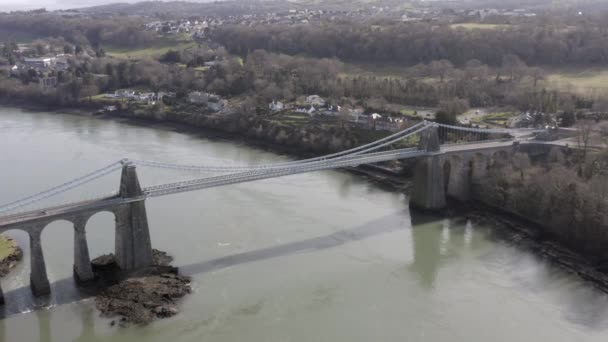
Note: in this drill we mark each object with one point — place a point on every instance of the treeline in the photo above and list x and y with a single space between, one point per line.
566 193
262 77
88 77
269 76
119 31
413 43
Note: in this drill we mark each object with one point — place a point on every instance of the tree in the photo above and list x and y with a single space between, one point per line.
454 107
583 135
68 49
513 66
444 117
343 116
441 68
100 52
521 162
537 74
171 56
568 119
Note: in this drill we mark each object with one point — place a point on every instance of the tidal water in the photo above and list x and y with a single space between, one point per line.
325 256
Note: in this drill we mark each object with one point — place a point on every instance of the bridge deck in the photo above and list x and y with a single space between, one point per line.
10 221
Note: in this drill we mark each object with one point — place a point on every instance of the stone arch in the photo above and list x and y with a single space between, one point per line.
479 164
500 157
459 180
100 227
57 240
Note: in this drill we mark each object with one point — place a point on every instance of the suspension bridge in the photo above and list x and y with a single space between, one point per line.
431 144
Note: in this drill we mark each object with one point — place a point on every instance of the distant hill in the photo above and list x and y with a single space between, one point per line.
185 8
238 7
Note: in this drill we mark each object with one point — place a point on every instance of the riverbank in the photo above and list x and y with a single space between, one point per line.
10 255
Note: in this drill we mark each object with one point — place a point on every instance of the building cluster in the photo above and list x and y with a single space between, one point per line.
46 68
494 12
150 98
204 24
196 27
214 103
316 106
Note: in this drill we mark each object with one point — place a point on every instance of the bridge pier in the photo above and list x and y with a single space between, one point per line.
83 271
428 192
133 248
39 281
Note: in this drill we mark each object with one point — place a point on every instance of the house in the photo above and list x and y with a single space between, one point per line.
333 110
47 82
216 106
306 109
211 63
44 62
315 100
124 93
198 97
62 61
276 106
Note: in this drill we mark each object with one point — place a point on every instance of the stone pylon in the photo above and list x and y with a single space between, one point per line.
133 247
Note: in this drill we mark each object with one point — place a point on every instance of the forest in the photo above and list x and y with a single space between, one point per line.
413 43
118 31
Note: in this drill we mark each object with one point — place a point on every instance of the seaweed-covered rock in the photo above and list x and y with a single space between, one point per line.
141 300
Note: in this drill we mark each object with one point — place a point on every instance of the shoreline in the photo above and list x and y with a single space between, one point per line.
520 231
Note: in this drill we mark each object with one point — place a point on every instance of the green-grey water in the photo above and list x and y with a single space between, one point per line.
324 256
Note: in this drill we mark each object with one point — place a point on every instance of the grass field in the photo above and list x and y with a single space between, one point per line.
493 118
587 81
480 26
154 49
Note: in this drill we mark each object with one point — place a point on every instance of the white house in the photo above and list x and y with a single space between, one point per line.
44 62
276 106
198 97
315 100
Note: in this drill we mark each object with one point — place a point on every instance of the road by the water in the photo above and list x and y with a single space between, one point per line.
324 256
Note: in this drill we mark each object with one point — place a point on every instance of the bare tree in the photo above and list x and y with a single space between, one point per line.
583 135
521 162
441 68
537 74
343 116
512 66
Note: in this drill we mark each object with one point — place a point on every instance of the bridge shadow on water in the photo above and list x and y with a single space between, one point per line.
65 291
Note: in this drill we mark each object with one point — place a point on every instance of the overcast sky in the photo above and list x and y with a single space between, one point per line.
12 5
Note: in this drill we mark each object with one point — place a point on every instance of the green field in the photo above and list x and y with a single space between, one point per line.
480 26
499 119
154 49
586 81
